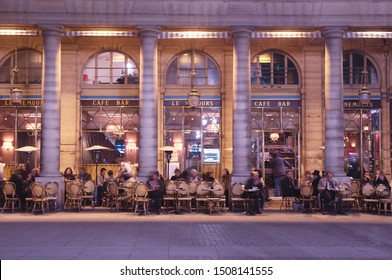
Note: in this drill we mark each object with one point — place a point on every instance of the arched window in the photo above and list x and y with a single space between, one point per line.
29 63
110 68
179 71
272 67
353 65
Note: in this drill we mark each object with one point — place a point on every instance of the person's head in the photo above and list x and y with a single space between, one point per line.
308 175
82 170
68 171
193 173
381 176
110 173
177 172
225 172
154 176
103 171
329 175
22 166
35 171
290 174
316 173
366 175
257 171
255 175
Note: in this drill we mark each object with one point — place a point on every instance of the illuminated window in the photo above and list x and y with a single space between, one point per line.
110 68
353 65
179 71
270 68
29 63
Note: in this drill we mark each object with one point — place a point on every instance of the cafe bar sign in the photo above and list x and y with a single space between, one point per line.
275 103
23 103
108 102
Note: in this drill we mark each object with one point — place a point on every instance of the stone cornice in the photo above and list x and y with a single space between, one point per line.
199 13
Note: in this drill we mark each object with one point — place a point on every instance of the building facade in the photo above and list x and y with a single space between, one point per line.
272 75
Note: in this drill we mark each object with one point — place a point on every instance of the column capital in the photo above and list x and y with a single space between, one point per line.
241 31
333 31
149 31
51 29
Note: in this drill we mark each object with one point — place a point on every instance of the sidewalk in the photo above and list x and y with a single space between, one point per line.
101 234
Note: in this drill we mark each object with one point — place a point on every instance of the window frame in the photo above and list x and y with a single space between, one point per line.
24 72
94 81
351 77
256 79
206 70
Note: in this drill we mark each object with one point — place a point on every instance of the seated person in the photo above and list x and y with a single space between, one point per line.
288 186
254 182
208 176
326 188
83 175
177 175
193 176
381 179
157 189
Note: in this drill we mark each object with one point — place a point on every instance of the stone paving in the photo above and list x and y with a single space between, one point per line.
101 234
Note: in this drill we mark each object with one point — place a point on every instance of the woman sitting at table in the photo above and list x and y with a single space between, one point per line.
68 174
254 183
157 189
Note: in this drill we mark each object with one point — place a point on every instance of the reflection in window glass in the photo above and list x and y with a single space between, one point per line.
29 63
273 68
110 68
353 65
180 69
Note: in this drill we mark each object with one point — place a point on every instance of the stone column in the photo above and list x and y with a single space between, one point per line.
241 105
334 117
148 102
50 121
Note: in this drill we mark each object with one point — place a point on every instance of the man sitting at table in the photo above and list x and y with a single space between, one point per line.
157 189
254 183
326 187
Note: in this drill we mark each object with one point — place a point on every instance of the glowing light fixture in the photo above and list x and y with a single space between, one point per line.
274 136
193 96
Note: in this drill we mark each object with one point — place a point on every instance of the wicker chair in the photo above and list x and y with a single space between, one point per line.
74 193
88 194
117 200
306 192
369 197
184 196
10 197
170 195
141 197
383 199
40 200
236 195
52 189
215 200
201 194
348 202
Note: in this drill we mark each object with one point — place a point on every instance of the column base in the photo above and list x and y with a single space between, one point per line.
61 191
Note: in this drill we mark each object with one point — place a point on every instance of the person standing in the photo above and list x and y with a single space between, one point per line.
278 165
101 186
226 180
